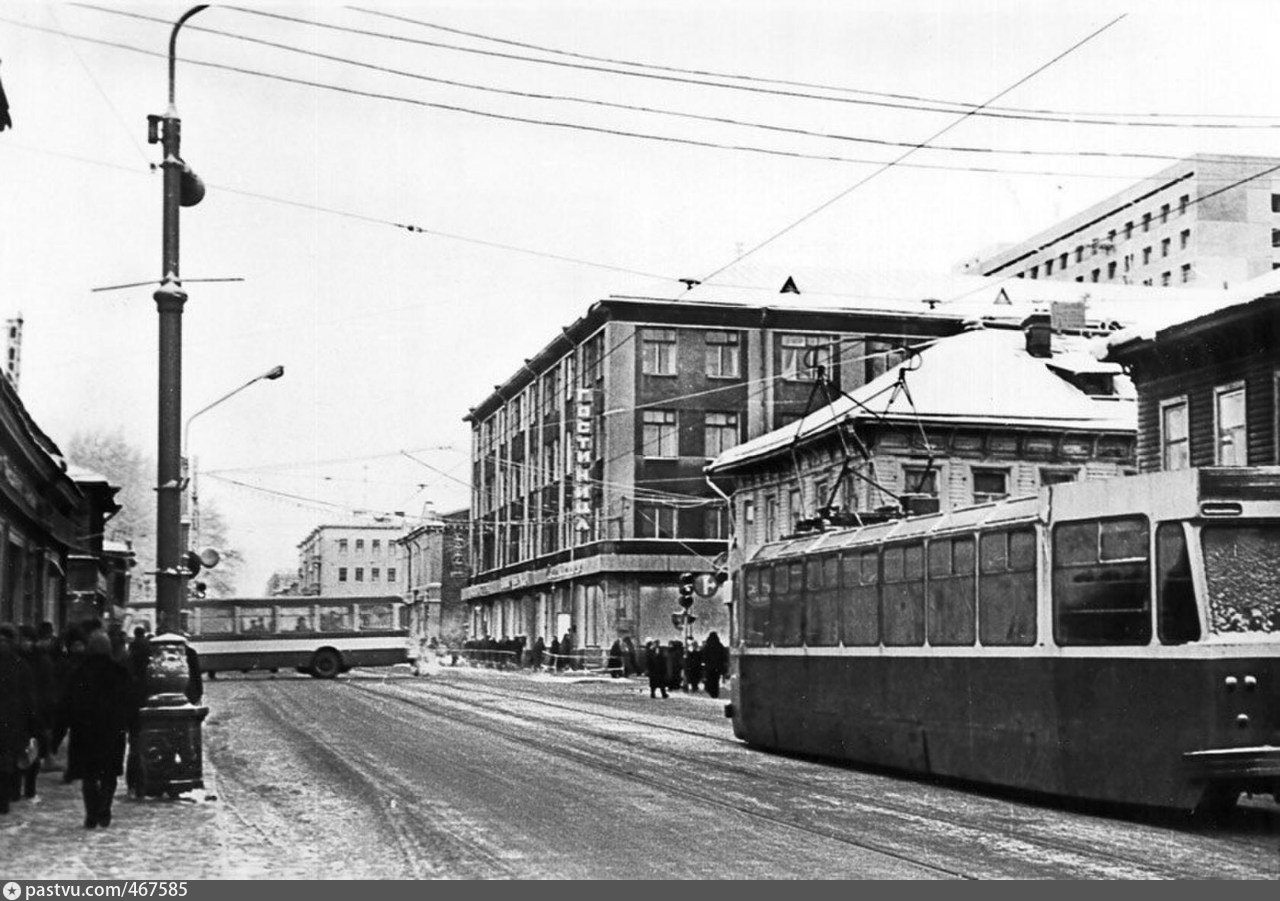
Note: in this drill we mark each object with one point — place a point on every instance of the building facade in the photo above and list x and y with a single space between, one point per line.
352 559
588 492
435 555
980 416
1209 220
1208 388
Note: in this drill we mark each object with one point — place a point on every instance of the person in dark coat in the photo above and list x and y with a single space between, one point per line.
41 666
675 664
195 677
539 651
614 661
99 712
656 665
557 662
17 714
715 660
630 665
692 666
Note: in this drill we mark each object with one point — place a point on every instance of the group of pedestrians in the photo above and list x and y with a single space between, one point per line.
85 688
684 666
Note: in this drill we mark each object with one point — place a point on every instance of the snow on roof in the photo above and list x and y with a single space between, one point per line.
978 377
81 474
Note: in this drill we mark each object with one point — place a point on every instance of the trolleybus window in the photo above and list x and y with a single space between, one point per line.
821 615
1242 572
295 619
860 625
788 606
951 592
375 617
1102 582
214 621
335 619
253 620
759 585
1007 588
1177 620
903 596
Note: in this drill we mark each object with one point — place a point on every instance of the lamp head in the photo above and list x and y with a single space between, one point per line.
275 373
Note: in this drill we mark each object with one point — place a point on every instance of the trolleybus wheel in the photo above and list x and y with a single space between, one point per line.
326 664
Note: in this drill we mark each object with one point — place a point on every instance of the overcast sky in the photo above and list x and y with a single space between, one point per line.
388 336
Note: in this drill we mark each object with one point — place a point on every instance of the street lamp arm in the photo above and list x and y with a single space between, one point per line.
273 373
173 44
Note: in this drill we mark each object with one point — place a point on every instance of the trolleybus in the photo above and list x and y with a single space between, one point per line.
320 636
1113 640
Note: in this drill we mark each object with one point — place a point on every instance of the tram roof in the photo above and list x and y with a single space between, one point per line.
984 376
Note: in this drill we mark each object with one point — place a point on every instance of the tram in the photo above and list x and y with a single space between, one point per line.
1115 641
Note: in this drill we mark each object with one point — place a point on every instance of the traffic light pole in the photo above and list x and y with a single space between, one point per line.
169 732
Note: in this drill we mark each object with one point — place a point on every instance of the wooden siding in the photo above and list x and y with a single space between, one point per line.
1257 371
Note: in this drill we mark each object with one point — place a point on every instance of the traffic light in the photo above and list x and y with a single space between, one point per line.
686 590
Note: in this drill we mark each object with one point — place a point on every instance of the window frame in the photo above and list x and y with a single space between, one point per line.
1219 392
666 428
718 350
974 471
1055 611
664 351
721 430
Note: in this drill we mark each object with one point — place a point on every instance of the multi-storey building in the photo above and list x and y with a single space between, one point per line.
588 493
352 559
1209 220
435 566
1209 386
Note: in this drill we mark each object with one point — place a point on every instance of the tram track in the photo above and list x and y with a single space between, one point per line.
1092 855
686 788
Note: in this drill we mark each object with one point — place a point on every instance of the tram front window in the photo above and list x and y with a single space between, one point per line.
1242 572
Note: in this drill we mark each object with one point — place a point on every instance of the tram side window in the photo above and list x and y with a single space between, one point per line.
860 626
1177 620
374 617
759 585
1102 582
296 619
821 616
903 595
1007 588
788 605
951 592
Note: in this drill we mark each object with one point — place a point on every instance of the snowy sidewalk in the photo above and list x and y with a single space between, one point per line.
152 839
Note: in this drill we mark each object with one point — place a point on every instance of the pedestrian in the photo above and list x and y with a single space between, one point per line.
99 713
675 665
17 716
715 660
692 666
656 666
195 677
41 666
539 651
556 662
614 661
566 650
629 664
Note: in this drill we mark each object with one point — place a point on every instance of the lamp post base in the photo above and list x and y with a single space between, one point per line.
171 749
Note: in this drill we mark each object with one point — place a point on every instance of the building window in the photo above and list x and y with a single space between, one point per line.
1093 276
1186 273
1164 247
1111 270
1053 476
795 507
717 522
1185 201
391 573
658 351
342 574
721 433
374 573
1035 271
342 545
359 573
770 518
1164 213
1230 444
1166 279
1079 254
1128 230
1275 237
1048 268
376 546
920 480
659 436
1175 442
359 544
722 355
990 485
654 521
749 511
1184 239
1062 261
1146 222
802 355
1146 255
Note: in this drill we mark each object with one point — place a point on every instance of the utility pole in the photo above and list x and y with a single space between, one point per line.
171 753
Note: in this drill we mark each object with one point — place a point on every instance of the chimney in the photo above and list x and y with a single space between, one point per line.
1038 329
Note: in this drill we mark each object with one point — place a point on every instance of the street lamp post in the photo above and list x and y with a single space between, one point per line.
171 752
188 478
